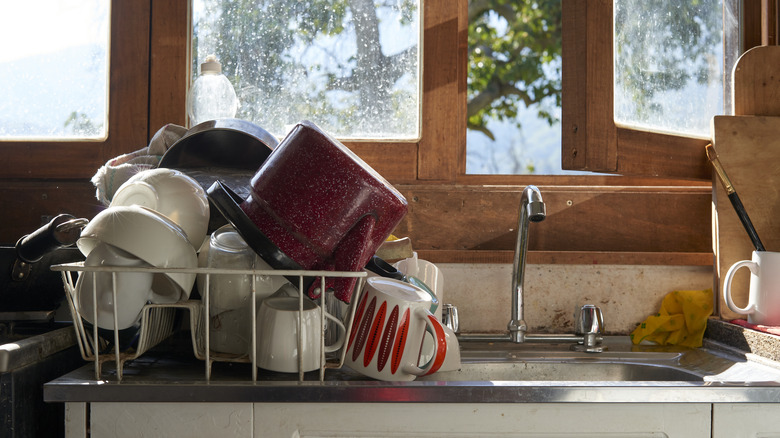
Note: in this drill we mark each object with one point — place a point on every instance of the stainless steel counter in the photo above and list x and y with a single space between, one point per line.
170 374
18 353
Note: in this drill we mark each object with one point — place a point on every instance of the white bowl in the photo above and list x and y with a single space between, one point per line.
149 236
133 289
171 193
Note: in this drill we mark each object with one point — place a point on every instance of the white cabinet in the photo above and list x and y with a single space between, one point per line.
170 420
731 420
375 420
310 420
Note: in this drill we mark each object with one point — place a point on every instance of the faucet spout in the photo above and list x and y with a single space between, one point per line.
532 209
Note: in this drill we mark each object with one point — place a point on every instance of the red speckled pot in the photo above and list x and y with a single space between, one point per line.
322 205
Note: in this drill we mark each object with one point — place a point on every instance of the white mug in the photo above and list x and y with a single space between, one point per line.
388 329
171 193
763 305
133 289
428 273
451 360
277 335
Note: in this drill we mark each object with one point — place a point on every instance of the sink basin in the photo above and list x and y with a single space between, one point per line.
498 372
18 351
569 371
621 362
28 359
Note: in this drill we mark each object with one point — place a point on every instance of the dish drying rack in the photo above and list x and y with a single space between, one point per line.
157 320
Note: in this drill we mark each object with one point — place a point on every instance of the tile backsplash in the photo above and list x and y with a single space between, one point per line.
627 294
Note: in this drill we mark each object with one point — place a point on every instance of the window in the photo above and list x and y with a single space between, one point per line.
454 216
351 67
670 70
670 64
79 139
56 72
513 105
591 139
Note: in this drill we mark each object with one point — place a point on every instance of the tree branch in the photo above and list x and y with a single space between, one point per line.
494 91
479 7
483 129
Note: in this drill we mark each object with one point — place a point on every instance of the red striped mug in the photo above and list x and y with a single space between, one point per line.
388 330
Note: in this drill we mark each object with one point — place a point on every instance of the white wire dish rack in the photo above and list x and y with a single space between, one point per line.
157 321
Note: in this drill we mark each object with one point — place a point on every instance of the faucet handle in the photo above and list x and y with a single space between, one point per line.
589 320
590 325
449 317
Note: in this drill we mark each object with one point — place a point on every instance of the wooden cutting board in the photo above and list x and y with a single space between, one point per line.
749 149
757 82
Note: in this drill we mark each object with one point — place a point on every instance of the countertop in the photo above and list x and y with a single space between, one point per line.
742 340
170 373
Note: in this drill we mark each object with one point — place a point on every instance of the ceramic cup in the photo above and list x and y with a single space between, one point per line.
428 273
148 236
322 206
451 360
388 329
170 193
277 334
133 289
763 306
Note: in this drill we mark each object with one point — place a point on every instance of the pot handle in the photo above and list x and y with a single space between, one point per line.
64 230
352 254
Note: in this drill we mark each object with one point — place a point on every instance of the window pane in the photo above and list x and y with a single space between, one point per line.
54 69
351 66
514 87
669 65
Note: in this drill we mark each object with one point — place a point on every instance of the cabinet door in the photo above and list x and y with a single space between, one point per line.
745 420
309 420
171 420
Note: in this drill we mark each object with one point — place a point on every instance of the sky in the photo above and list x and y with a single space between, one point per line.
57 25
54 62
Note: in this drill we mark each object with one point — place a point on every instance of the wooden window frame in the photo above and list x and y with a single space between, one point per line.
651 218
591 139
455 217
127 109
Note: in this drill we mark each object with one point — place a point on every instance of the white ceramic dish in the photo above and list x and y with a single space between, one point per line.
148 235
171 193
278 322
133 289
426 271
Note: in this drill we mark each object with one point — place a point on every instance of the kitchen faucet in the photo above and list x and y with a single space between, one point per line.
589 324
532 209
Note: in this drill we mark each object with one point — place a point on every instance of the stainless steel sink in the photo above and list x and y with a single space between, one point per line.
490 373
568 371
622 362
27 361
19 351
